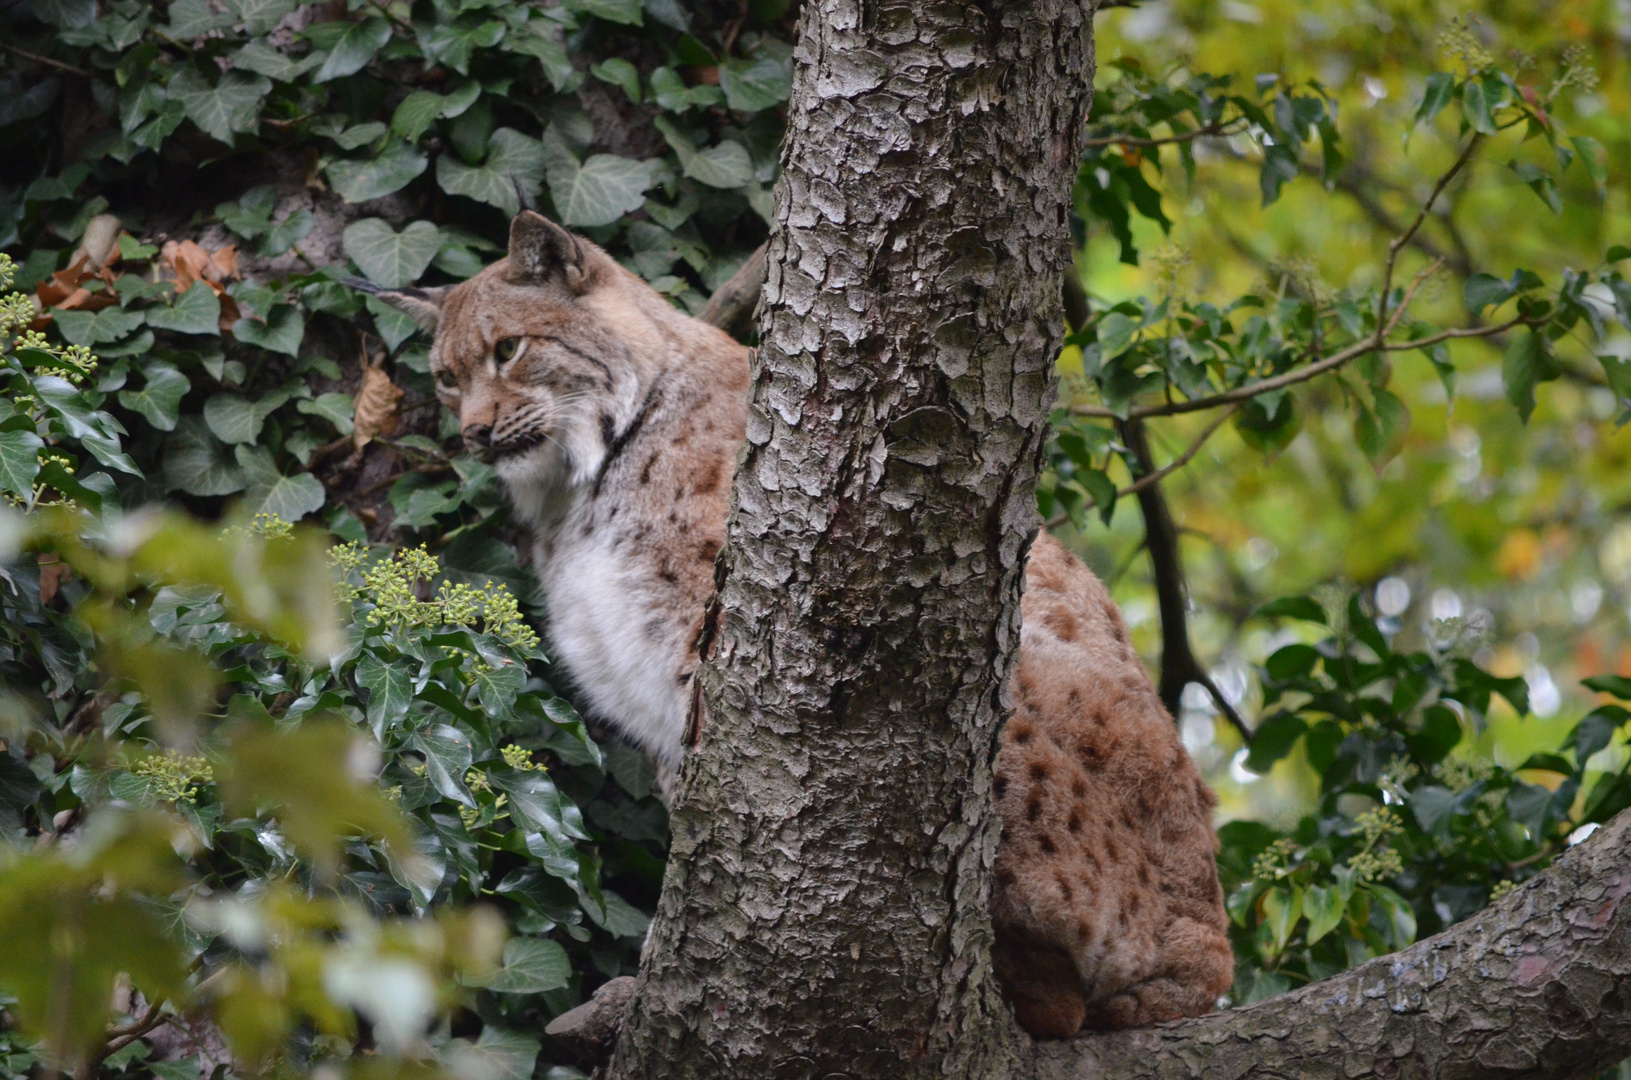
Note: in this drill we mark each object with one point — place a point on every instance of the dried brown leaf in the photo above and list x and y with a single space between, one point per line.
377 402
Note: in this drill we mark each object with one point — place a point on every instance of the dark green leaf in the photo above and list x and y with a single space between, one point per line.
353 51
159 399
19 462
389 258
1273 740
196 311
391 171
531 966
1440 89
1615 685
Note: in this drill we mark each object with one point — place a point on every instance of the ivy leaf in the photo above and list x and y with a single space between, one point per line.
726 165
391 171
672 95
512 159
188 18
447 756
390 691
755 85
531 966
541 41
497 1054
195 462
263 59
453 43
230 106
355 48
416 113
620 918
91 328
282 331
1595 160
627 12
159 399
270 492
335 407
196 311
389 258
234 420
19 462
497 688
63 14
1324 907
260 16
598 192
288 232
621 74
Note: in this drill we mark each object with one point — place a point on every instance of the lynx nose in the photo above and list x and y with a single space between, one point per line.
478 439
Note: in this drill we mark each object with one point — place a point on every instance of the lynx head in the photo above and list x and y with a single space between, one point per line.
542 355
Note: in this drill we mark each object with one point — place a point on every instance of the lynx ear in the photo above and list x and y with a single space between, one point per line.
423 306
541 251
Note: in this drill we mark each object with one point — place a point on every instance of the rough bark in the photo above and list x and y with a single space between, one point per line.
825 910
1537 986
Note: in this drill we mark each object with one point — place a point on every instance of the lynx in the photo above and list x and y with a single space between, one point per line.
614 421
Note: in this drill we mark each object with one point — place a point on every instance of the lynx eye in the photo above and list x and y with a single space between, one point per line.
506 349
447 380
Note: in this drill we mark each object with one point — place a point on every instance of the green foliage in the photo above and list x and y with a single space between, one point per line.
1414 829
294 812
1172 355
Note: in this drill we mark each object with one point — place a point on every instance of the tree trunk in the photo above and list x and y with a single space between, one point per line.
1537 986
825 910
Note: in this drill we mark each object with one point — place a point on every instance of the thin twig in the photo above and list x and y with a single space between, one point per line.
1151 478
120 1037
67 69
1398 243
1291 378
1215 128
1182 459
1386 321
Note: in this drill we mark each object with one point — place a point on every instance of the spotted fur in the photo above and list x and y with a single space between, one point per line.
615 423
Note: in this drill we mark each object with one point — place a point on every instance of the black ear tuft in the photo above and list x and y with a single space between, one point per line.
423 306
541 251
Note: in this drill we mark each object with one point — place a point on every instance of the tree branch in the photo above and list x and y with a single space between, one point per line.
1312 371
731 306
1536 986
66 69
121 1037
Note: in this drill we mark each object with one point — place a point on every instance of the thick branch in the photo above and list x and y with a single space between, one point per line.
731 306
1537 986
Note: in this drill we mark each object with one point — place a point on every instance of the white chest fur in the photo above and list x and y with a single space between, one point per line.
604 630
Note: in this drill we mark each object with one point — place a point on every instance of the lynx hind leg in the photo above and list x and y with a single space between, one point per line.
1108 853
1043 987
1197 967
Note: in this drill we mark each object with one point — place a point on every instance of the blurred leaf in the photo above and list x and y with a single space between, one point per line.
531 966
312 779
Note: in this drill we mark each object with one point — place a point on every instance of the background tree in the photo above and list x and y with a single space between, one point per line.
183 186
